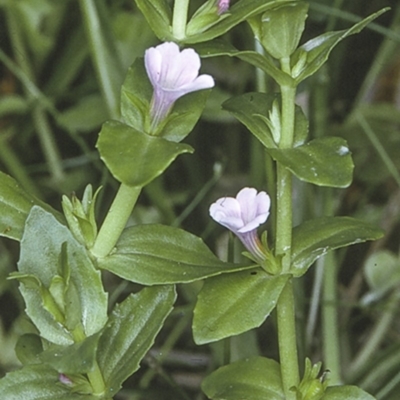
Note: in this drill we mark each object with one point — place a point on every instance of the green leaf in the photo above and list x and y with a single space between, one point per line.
239 12
131 330
316 51
159 254
15 205
346 393
136 95
135 158
28 348
316 237
41 246
37 382
382 273
323 162
158 15
251 379
251 110
282 27
219 48
235 303
247 108
78 358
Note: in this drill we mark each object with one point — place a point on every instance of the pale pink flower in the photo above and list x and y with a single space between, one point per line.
173 73
243 215
223 6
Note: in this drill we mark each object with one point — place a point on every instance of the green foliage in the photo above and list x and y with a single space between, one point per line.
280 28
158 254
219 48
37 382
133 157
323 162
28 348
81 216
316 237
77 348
245 379
250 109
346 392
158 15
130 332
78 358
15 205
234 303
382 273
310 57
82 306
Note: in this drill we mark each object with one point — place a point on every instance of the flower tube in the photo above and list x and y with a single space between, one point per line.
243 215
173 73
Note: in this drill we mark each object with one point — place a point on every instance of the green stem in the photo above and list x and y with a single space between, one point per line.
95 376
284 181
330 326
378 333
285 307
106 65
116 220
287 341
96 380
179 19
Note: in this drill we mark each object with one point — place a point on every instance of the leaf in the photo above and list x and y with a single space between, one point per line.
159 254
15 205
282 27
316 237
323 162
249 109
219 48
131 330
316 51
78 358
346 393
136 95
158 16
135 158
239 12
28 348
37 382
41 246
382 273
235 303
251 379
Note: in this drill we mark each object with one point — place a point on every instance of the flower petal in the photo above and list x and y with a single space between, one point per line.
226 211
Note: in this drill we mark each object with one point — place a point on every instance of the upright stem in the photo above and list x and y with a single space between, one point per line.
330 327
285 306
179 19
287 341
116 220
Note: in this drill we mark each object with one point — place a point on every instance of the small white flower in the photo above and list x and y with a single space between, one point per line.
173 73
243 215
